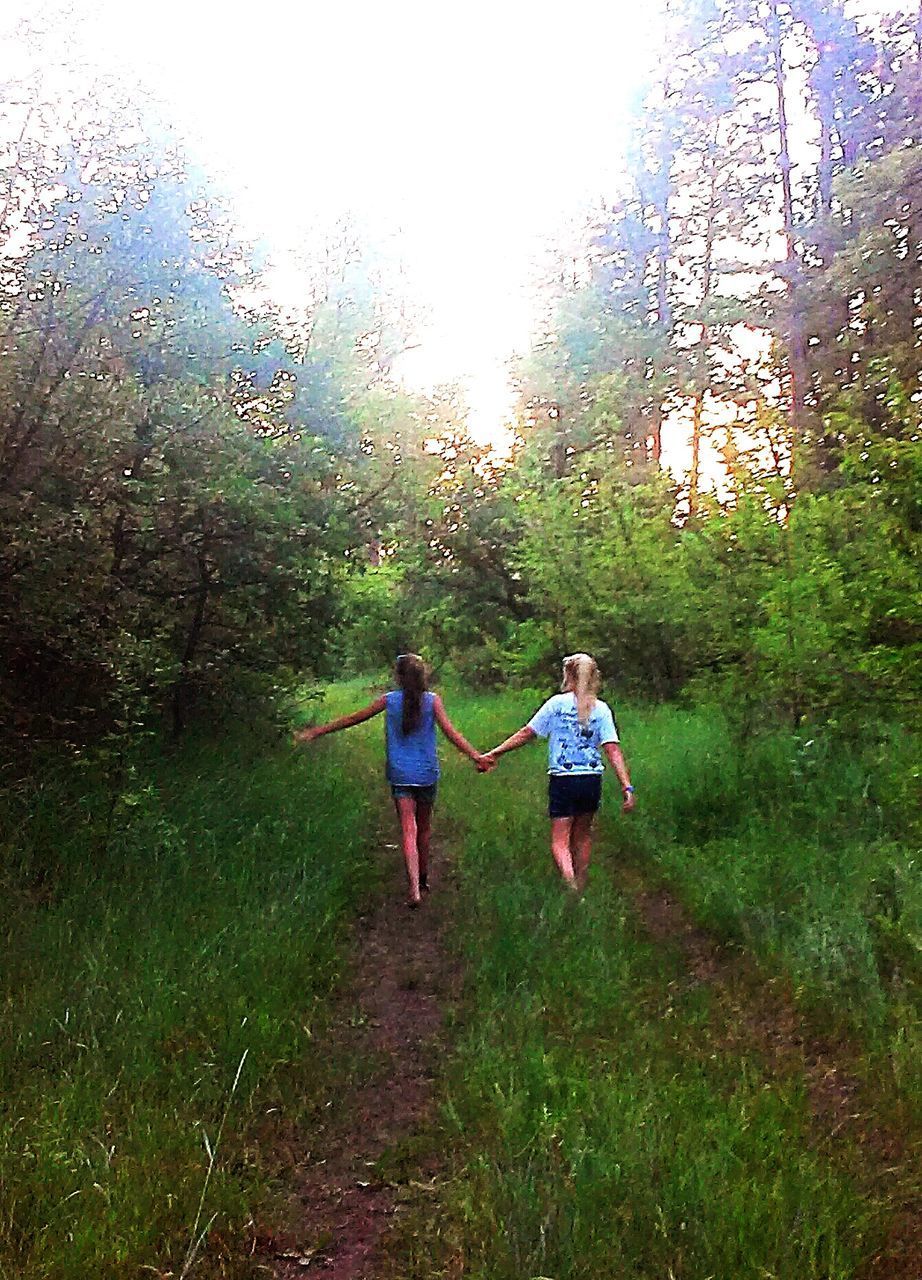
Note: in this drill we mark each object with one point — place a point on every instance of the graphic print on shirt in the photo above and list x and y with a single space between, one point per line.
575 748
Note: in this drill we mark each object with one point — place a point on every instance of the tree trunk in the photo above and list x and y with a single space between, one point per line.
694 474
730 455
797 368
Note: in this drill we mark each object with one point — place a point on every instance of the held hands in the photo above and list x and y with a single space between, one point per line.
485 763
304 735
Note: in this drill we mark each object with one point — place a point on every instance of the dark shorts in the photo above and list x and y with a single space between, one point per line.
569 796
422 795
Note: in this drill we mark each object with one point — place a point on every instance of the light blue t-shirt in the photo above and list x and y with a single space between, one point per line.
411 758
573 748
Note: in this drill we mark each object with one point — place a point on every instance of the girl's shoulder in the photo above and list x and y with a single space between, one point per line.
560 702
602 714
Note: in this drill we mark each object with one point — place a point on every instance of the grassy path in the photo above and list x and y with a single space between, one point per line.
755 1013
372 1154
626 1099
215 998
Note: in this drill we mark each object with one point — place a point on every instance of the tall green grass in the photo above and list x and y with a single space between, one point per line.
601 1128
603 1125
167 973
169 963
807 852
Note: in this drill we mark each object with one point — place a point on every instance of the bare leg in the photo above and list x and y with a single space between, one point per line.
560 848
406 813
581 847
423 836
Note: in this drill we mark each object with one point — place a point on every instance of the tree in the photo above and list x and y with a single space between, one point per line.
184 475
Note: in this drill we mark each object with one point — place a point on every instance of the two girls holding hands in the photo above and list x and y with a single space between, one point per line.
579 727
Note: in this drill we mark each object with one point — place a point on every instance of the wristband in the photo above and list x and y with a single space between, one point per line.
631 789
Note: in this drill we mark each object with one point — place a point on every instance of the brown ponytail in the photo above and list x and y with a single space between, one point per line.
411 676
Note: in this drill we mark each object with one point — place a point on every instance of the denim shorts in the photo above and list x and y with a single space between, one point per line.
422 795
573 794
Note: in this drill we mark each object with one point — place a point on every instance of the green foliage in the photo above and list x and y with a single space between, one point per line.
598 555
809 614
159 941
445 582
201 496
185 474
375 618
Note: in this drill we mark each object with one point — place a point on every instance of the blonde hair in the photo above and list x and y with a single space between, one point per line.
581 676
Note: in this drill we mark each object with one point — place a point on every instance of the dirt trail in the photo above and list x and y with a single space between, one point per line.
760 1015
393 1015
373 1155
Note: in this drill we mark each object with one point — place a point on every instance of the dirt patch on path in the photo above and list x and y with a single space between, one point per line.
760 1013
374 1155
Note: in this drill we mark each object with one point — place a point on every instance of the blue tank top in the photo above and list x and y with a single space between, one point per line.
411 758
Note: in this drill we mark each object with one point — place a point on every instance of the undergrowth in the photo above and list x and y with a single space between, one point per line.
599 1127
169 955
807 852
172 949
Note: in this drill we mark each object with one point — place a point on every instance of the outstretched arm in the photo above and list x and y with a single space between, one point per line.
342 722
618 763
525 734
451 733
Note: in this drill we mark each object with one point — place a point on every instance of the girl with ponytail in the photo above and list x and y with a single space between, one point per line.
411 714
580 729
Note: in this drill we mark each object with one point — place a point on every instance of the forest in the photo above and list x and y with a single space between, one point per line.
221 516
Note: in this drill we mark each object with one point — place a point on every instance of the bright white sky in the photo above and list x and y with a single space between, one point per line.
464 134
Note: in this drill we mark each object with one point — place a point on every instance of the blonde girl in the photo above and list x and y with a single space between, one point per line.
411 714
580 729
